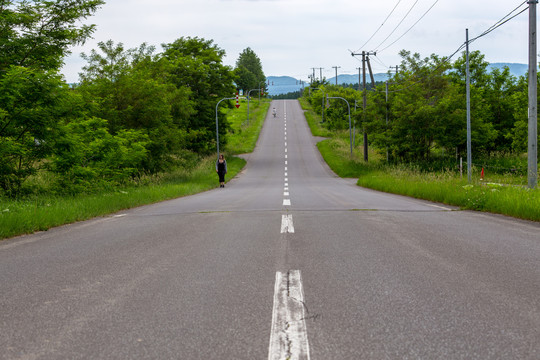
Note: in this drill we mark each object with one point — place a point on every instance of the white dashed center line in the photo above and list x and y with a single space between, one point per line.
288 338
287 224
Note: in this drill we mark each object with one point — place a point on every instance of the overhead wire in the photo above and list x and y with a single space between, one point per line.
409 29
379 28
393 31
498 24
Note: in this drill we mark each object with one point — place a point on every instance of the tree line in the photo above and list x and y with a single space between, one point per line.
133 111
425 113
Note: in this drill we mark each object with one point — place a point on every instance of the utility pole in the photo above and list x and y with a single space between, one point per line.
364 54
468 92
336 67
313 76
533 108
386 88
364 95
320 72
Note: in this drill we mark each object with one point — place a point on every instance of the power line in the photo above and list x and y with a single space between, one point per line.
376 31
501 22
407 14
409 29
462 46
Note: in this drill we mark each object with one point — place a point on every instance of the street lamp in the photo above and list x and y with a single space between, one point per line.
217 127
349 108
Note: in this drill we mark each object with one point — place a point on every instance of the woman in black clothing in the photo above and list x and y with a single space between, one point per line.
221 169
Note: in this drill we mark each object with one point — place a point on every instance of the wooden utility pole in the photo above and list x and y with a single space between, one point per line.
364 90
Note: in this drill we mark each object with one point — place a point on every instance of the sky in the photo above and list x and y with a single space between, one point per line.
293 36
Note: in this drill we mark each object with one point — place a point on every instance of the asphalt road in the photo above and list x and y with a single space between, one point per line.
287 261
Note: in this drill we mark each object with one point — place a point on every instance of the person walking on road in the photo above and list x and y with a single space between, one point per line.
221 169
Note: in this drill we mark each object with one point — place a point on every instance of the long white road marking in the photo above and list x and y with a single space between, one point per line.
285 193
287 224
286 202
288 338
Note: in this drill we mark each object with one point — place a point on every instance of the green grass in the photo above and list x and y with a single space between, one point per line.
243 136
496 193
42 213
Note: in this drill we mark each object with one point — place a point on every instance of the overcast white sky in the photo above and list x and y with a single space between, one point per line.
292 36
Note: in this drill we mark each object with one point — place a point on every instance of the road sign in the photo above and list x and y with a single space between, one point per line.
237 104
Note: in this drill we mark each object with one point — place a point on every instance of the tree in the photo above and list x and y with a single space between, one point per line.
248 71
38 33
128 91
34 38
197 64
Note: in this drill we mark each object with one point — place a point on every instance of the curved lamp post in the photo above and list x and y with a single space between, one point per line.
349 107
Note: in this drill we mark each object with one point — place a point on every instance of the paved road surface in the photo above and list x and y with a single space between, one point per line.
287 261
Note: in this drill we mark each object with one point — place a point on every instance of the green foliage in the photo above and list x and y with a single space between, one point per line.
425 113
34 38
37 34
87 157
197 64
248 71
28 101
128 93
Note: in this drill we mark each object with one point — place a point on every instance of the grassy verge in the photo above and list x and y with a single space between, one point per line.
243 136
26 216
489 195
42 213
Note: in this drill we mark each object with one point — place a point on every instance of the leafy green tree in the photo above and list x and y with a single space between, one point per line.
34 38
197 64
38 33
125 88
28 105
88 157
249 72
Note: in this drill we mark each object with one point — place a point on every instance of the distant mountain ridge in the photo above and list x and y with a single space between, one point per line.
285 84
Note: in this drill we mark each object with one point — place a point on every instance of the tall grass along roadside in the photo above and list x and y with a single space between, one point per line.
41 213
495 193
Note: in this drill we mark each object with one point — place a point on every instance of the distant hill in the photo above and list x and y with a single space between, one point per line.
285 84
515 69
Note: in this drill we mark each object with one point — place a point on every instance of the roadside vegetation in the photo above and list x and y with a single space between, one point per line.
418 153
137 128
